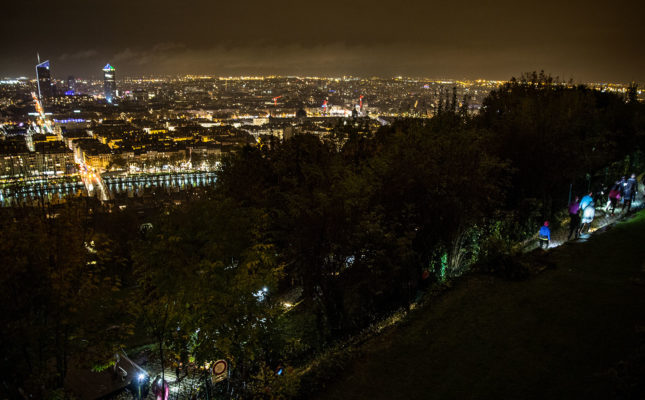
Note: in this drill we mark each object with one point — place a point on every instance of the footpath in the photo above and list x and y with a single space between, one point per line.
576 331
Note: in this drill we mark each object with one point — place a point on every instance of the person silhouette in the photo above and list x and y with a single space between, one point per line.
544 236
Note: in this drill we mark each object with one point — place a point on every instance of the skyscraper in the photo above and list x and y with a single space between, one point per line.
71 84
44 80
109 83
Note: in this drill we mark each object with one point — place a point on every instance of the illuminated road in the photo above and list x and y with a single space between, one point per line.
92 180
46 123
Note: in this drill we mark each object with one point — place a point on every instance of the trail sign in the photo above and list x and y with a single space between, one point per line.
220 369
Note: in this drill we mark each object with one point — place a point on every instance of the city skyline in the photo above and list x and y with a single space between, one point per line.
585 42
67 79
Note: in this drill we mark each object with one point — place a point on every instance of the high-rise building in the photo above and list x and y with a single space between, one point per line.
71 84
109 83
44 80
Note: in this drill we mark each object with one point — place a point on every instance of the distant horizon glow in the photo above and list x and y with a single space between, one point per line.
9 80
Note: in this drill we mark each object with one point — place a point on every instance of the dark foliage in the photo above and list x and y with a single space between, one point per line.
555 135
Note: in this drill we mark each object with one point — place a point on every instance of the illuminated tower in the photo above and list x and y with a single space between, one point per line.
109 83
44 80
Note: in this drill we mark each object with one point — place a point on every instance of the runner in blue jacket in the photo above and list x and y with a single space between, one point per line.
586 201
544 236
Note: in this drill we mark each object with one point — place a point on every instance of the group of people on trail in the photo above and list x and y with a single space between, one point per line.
624 189
581 214
582 211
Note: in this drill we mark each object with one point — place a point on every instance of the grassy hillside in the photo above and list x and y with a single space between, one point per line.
576 331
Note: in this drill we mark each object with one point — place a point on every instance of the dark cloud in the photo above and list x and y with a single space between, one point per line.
80 55
584 40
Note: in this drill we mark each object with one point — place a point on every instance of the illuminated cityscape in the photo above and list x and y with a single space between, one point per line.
162 126
322 200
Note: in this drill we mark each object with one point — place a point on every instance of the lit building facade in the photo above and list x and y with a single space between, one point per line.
49 159
109 83
71 85
44 80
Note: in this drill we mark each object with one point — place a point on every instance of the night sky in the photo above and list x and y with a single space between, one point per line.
584 40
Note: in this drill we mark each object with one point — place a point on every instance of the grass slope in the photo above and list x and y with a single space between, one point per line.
568 333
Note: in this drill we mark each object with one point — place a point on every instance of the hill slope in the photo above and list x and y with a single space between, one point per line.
576 331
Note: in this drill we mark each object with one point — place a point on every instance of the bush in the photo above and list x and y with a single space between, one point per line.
498 260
